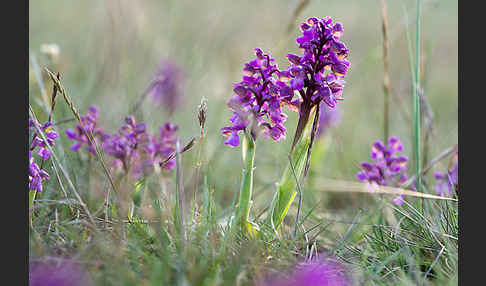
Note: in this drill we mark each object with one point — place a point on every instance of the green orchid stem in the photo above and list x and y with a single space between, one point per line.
287 187
32 194
244 204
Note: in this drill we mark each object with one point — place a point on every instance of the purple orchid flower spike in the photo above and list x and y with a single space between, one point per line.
388 168
256 104
317 75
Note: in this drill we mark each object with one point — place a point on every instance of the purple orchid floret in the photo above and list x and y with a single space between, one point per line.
90 124
328 118
318 73
388 168
322 272
37 141
36 174
54 274
167 87
447 181
256 104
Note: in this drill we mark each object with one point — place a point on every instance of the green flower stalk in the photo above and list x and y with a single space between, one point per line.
246 189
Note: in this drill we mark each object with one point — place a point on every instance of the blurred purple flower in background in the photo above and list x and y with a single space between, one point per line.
447 181
328 118
90 124
388 169
318 272
257 101
167 89
57 274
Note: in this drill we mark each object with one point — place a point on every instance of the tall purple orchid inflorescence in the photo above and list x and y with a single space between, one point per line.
167 89
257 101
36 174
317 75
388 168
90 124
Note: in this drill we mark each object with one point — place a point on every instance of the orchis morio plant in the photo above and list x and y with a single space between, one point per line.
257 110
317 76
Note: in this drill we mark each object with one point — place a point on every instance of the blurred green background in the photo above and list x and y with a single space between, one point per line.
109 51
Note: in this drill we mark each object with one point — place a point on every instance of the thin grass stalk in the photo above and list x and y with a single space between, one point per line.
200 154
416 109
386 78
179 193
69 102
315 125
38 77
360 187
196 175
302 4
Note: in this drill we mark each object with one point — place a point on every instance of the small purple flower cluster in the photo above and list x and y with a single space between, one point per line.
447 181
123 146
134 150
257 99
388 168
317 75
90 124
135 147
36 174
321 67
316 272
167 87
